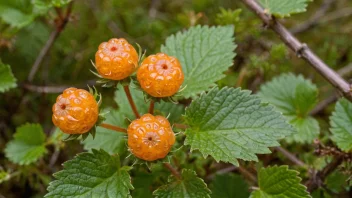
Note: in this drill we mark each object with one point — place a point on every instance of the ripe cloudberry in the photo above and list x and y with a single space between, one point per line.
160 75
116 59
150 137
75 111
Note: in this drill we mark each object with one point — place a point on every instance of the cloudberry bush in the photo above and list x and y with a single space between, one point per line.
175 99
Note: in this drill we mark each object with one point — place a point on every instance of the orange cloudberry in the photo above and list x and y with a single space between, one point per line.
116 59
150 137
160 75
75 111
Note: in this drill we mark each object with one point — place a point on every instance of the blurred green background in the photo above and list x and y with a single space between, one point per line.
26 25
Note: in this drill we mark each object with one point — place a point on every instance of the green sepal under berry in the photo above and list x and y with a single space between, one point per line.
150 164
104 82
92 131
173 99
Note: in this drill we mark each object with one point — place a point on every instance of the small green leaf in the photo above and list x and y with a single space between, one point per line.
229 185
231 123
205 53
228 17
307 129
189 186
284 8
60 3
94 174
279 182
341 125
295 97
111 141
27 146
161 108
7 80
14 16
4 176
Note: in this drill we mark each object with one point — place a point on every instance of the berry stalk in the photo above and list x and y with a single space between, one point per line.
151 107
112 127
130 100
173 171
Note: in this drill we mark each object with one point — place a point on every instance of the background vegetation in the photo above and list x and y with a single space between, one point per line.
77 28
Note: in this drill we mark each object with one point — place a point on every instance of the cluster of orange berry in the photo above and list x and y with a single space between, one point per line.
149 137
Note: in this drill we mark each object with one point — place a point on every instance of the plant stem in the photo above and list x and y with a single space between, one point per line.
53 36
180 126
173 171
112 127
318 177
301 50
247 174
130 100
151 107
290 156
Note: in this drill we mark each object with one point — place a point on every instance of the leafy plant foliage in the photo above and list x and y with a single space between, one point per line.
295 97
230 123
7 80
188 186
341 125
172 110
204 53
24 149
229 185
284 8
94 174
279 181
107 139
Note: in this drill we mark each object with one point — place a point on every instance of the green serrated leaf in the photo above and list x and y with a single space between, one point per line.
279 182
142 183
111 141
27 146
231 123
161 108
284 8
307 129
7 80
341 125
229 185
205 53
295 97
95 174
189 186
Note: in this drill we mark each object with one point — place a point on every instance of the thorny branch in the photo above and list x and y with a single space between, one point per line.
301 49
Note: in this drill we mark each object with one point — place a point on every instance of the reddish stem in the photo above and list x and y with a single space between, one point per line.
112 127
180 126
151 107
173 171
130 100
